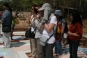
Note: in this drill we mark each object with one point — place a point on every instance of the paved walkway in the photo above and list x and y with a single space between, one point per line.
21 47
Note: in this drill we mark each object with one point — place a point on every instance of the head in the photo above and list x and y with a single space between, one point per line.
34 9
41 13
75 17
6 6
58 14
46 10
39 6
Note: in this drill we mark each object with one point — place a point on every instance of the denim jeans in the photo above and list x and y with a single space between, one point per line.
58 47
73 48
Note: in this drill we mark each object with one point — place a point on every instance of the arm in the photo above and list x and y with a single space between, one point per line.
51 25
62 31
3 17
72 34
41 27
78 33
63 26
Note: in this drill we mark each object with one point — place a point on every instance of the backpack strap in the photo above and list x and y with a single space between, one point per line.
50 36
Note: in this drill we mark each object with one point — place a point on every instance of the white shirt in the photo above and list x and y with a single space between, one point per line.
44 33
32 18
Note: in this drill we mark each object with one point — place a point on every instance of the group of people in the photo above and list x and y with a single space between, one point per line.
45 23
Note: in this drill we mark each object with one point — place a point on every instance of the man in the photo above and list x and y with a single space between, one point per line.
6 20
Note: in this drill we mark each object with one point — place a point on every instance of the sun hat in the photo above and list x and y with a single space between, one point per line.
44 6
58 12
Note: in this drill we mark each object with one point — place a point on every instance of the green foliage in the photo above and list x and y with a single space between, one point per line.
21 5
25 5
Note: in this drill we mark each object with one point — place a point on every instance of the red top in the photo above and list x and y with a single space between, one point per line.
77 28
0 14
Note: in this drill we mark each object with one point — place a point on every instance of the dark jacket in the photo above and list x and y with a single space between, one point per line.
6 18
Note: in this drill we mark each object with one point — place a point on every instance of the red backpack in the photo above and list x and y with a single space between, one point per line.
58 34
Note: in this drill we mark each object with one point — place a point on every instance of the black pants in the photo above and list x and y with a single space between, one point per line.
48 51
73 47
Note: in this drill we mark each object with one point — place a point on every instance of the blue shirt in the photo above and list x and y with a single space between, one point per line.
6 18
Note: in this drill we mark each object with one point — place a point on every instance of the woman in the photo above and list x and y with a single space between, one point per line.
33 17
75 33
60 26
36 24
48 29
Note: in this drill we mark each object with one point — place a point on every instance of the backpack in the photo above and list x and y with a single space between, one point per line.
58 34
66 28
58 31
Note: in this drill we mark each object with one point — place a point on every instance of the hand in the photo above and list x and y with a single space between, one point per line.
69 33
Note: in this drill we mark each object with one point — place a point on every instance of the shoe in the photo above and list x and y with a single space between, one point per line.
29 54
59 56
33 57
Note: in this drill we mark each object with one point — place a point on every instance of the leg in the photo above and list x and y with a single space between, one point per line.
44 51
49 51
75 48
58 47
12 29
39 49
33 47
6 38
70 48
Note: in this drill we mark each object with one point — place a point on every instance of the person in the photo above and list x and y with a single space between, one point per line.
6 20
13 24
36 24
75 33
33 41
61 25
47 30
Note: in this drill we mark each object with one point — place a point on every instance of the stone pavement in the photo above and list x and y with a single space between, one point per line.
21 47
18 49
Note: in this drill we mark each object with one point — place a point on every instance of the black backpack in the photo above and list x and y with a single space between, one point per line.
66 28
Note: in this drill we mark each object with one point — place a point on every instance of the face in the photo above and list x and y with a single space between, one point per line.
4 7
57 15
32 10
41 13
71 17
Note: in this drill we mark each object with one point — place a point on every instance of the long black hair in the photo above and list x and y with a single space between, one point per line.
76 17
35 10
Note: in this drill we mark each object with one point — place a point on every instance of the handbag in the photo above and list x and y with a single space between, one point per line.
6 28
44 39
30 34
16 21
